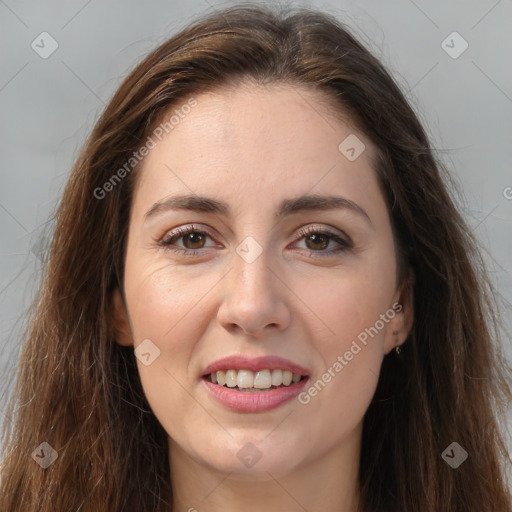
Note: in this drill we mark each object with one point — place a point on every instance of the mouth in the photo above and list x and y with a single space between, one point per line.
249 381
252 385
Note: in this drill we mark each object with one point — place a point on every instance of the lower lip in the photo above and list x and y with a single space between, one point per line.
241 401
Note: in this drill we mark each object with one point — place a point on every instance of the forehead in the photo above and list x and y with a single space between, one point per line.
258 141
272 114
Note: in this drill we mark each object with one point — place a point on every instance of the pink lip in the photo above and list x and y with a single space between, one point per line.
257 401
241 401
255 364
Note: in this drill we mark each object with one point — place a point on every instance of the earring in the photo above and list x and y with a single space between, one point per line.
397 348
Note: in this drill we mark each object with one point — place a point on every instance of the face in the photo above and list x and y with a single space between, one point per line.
314 286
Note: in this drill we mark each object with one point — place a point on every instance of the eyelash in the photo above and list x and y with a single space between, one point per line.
169 238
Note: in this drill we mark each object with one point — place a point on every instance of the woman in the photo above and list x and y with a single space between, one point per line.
259 294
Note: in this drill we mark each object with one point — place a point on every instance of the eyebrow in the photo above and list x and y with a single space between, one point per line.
302 203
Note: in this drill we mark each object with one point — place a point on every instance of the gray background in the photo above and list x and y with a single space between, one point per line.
48 106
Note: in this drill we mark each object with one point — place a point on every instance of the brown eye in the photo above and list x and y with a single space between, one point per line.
193 240
318 241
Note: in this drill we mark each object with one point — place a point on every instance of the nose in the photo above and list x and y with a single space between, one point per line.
255 297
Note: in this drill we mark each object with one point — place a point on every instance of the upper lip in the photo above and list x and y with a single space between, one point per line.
255 364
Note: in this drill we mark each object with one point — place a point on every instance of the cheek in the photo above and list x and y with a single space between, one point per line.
336 401
342 389
162 301
165 309
356 309
351 302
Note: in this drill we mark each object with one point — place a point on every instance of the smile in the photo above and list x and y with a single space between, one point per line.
253 384
249 381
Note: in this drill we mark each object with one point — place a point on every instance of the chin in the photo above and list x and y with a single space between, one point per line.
254 460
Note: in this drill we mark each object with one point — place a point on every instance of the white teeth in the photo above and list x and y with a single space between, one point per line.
231 378
245 379
262 379
277 377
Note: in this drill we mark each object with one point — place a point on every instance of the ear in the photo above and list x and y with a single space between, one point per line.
399 325
120 321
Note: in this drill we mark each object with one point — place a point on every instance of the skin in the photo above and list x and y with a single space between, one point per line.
252 147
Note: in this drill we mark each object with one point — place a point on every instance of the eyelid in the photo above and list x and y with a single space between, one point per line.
181 231
317 228
343 240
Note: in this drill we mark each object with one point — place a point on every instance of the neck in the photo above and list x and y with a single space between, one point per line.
327 482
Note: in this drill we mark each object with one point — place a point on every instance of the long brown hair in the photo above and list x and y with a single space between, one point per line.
79 391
